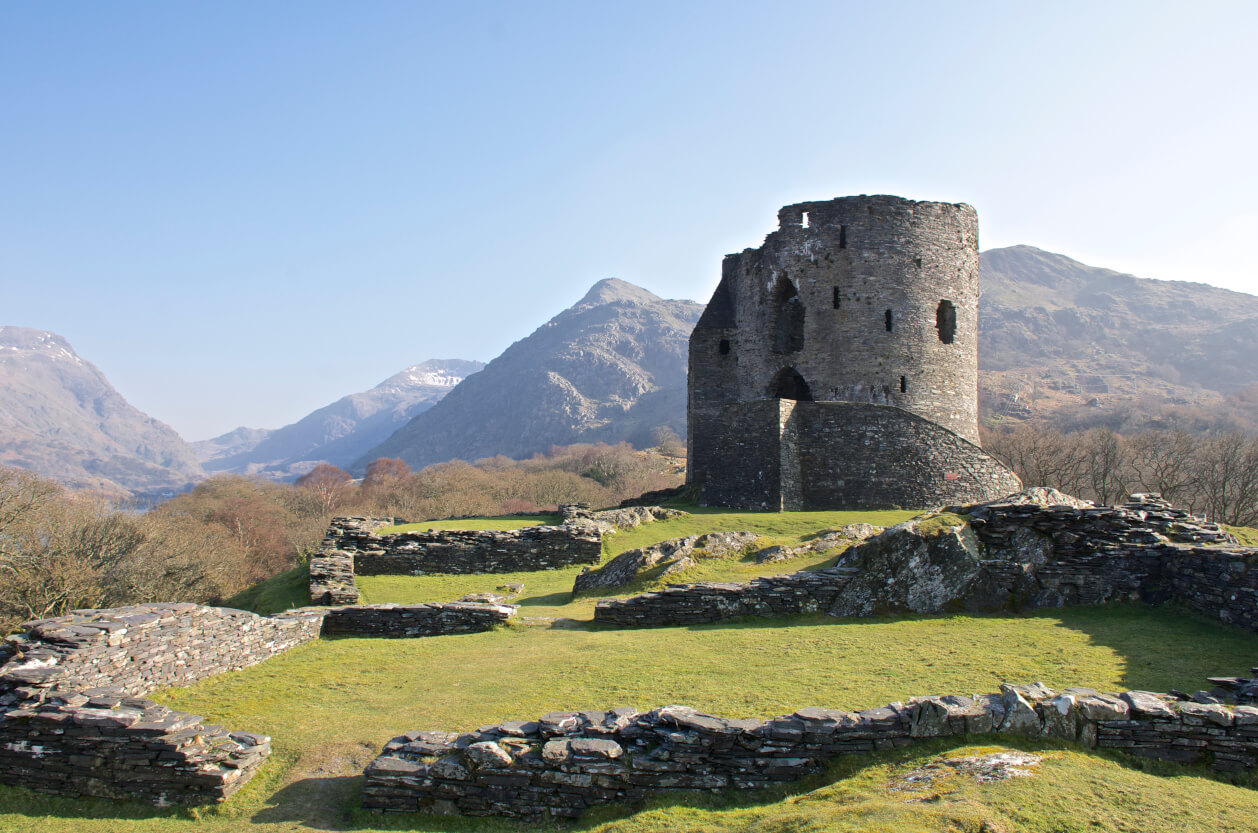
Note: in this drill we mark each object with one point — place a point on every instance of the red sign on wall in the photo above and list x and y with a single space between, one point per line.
950 475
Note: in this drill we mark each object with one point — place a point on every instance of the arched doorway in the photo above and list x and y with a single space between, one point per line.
788 384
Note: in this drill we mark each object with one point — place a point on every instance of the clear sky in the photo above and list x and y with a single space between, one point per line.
241 211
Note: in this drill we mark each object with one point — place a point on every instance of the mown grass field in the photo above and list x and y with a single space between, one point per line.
330 706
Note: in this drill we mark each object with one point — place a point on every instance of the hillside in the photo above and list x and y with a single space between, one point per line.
60 417
1057 337
610 368
340 432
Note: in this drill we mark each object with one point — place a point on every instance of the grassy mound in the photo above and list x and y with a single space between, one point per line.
280 592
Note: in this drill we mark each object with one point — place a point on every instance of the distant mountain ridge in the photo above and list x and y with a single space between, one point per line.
611 367
1056 335
1060 343
60 417
338 433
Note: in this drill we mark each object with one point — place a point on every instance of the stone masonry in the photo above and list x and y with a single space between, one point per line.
563 763
73 720
1008 555
836 366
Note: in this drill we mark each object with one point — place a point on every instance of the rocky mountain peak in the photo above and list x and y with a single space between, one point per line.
614 290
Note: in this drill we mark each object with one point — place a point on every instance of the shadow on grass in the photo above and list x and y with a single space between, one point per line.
324 803
558 599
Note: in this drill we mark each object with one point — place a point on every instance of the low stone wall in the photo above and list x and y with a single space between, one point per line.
127 748
405 621
134 650
72 721
563 763
351 546
1008 555
332 578
811 591
475 551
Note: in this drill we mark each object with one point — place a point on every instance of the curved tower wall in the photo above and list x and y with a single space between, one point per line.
869 300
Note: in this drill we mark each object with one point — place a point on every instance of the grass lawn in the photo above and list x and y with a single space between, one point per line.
331 704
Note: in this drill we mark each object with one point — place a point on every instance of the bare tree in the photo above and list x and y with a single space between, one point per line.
329 483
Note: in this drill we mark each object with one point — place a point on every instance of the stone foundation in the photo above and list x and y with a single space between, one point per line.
407 621
563 763
1008 555
73 723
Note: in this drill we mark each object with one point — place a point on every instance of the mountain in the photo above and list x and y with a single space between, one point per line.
612 367
60 418
338 433
1077 345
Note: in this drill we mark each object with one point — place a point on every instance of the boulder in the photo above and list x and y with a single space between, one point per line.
916 567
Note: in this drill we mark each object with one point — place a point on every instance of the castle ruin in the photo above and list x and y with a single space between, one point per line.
836 367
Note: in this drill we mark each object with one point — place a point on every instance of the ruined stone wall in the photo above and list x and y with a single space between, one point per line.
564 763
808 591
468 551
72 744
72 721
134 650
1009 556
408 621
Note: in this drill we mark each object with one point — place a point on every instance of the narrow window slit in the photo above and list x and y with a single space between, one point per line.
946 321
904 384
723 347
887 320
842 237
838 300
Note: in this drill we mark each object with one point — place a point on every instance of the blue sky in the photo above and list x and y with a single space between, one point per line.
242 211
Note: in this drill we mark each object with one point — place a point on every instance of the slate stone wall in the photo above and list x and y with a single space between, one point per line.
1027 556
809 591
107 746
464 551
72 721
564 763
407 621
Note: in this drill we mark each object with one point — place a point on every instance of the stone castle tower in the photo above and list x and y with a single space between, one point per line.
837 365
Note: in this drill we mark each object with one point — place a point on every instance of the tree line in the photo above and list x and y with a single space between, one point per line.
1214 474
62 550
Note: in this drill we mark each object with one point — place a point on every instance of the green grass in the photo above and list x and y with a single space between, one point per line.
281 592
499 522
1248 536
331 704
